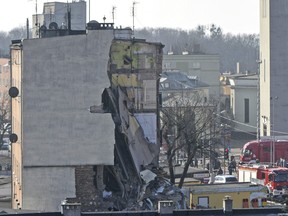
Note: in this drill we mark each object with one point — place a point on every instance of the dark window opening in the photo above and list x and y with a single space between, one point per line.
246 110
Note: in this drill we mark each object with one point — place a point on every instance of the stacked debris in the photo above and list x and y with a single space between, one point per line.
155 188
160 189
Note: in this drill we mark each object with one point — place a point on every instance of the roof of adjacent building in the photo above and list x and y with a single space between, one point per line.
219 188
4 61
179 81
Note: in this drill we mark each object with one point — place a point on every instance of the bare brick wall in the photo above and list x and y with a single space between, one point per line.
86 192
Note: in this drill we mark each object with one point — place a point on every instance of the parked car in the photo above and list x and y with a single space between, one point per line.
225 179
5 146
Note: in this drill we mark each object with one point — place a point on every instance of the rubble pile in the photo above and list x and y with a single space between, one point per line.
155 188
161 189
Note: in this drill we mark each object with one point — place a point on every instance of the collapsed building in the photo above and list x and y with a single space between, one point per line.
85 124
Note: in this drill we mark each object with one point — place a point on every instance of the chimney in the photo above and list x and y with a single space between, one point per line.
227 205
165 207
238 68
70 209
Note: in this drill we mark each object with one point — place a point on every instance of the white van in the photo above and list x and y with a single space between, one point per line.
225 179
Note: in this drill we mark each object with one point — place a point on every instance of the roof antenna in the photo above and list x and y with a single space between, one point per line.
133 14
37 24
89 9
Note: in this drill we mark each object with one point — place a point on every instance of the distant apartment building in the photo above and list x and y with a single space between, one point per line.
4 78
202 67
176 84
60 15
273 67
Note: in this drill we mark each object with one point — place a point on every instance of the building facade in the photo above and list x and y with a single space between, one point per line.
202 67
60 15
58 80
84 117
273 67
239 97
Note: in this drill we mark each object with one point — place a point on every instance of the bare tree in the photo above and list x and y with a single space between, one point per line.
185 124
5 116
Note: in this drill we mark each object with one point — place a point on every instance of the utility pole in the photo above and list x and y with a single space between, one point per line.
258 101
113 13
274 99
89 10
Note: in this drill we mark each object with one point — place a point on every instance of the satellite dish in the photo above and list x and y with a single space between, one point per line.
13 138
13 92
53 25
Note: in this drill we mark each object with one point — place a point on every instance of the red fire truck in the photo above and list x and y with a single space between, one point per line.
264 149
275 178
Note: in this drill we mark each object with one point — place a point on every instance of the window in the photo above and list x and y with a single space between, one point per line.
246 110
264 130
271 177
203 201
245 203
247 152
262 175
167 65
281 177
196 65
231 179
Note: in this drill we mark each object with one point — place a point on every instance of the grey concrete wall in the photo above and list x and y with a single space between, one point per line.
279 64
273 69
62 78
44 189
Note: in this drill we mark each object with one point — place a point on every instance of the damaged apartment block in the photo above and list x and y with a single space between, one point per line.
132 99
105 157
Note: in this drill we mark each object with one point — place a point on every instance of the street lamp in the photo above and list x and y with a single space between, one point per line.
273 127
225 146
258 100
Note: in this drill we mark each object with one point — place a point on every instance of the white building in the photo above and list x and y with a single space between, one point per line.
241 93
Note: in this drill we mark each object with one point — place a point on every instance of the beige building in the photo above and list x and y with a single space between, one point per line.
202 67
273 67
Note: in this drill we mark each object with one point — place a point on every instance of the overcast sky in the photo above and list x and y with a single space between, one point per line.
233 16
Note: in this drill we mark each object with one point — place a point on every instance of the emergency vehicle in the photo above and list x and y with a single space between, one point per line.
264 149
275 178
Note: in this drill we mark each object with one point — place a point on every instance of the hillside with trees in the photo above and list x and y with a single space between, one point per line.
231 48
